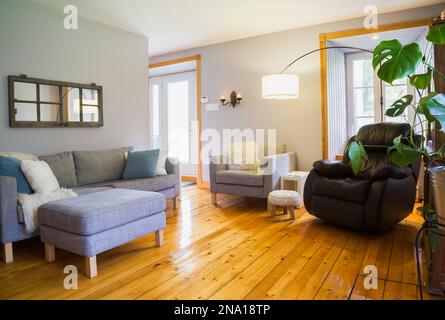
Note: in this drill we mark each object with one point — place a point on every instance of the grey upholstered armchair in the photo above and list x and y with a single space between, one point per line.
250 183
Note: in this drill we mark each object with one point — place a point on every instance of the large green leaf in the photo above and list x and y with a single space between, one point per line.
398 144
404 155
421 81
398 108
395 61
436 109
357 154
423 107
437 35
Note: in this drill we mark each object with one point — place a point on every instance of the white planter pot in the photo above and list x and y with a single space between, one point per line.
438 183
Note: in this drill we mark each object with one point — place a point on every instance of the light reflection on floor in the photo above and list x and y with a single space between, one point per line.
185 213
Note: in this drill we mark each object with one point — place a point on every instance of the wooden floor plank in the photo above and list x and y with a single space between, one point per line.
361 293
342 277
402 267
306 283
230 251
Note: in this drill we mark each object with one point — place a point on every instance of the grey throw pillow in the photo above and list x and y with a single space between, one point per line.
100 166
62 165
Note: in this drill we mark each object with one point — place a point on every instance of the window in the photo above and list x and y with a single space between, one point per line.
35 103
364 94
394 92
178 119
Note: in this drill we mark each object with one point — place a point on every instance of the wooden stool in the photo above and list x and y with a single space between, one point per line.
286 199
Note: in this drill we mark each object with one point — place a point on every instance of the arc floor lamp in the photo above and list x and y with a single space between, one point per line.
285 86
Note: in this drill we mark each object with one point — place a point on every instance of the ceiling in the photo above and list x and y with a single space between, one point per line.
173 25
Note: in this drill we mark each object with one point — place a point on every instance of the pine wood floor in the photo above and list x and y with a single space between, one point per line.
234 251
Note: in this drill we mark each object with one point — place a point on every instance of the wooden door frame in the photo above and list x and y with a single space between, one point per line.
197 59
324 37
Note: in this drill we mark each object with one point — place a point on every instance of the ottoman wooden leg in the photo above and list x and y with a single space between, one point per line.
159 238
50 253
91 267
285 210
273 211
7 253
292 212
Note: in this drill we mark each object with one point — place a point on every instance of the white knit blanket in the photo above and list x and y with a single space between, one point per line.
31 203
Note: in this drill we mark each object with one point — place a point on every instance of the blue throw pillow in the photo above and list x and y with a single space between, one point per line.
10 167
141 164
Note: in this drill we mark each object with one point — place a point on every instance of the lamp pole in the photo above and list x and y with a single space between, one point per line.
336 47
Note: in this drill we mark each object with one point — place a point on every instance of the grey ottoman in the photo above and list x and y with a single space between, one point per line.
91 224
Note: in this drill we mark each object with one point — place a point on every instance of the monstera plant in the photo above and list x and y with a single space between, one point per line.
393 61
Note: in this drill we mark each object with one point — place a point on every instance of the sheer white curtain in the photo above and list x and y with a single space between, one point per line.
336 80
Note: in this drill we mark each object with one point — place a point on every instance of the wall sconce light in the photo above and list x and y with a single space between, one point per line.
235 99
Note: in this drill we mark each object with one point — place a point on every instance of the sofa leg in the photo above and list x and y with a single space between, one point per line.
159 238
174 203
214 198
91 267
7 253
50 253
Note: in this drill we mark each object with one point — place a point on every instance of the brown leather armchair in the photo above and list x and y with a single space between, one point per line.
379 197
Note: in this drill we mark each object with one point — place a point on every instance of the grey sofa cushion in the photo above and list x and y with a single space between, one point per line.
62 165
83 191
100 211
157 183
99 166
240 177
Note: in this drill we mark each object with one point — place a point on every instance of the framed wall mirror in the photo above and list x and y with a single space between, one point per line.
39 103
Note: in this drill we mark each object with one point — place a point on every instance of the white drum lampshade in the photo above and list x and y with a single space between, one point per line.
281 87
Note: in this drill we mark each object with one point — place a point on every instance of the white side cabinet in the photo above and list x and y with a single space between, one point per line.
295 181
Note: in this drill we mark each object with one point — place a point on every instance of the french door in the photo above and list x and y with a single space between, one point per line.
173 115
365 92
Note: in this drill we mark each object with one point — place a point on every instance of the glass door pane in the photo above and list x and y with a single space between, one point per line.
157 131
178 119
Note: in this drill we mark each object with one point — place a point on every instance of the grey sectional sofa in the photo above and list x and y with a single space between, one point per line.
85 172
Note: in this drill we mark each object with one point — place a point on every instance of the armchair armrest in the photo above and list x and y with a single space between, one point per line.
216 163
277 166
333 169
280 164
172 167
8 209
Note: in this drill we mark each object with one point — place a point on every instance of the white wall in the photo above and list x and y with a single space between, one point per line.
240 65
34 42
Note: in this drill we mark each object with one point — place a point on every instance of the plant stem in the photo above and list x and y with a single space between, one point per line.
435 70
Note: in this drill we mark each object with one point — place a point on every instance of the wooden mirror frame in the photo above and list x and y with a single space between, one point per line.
60 123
